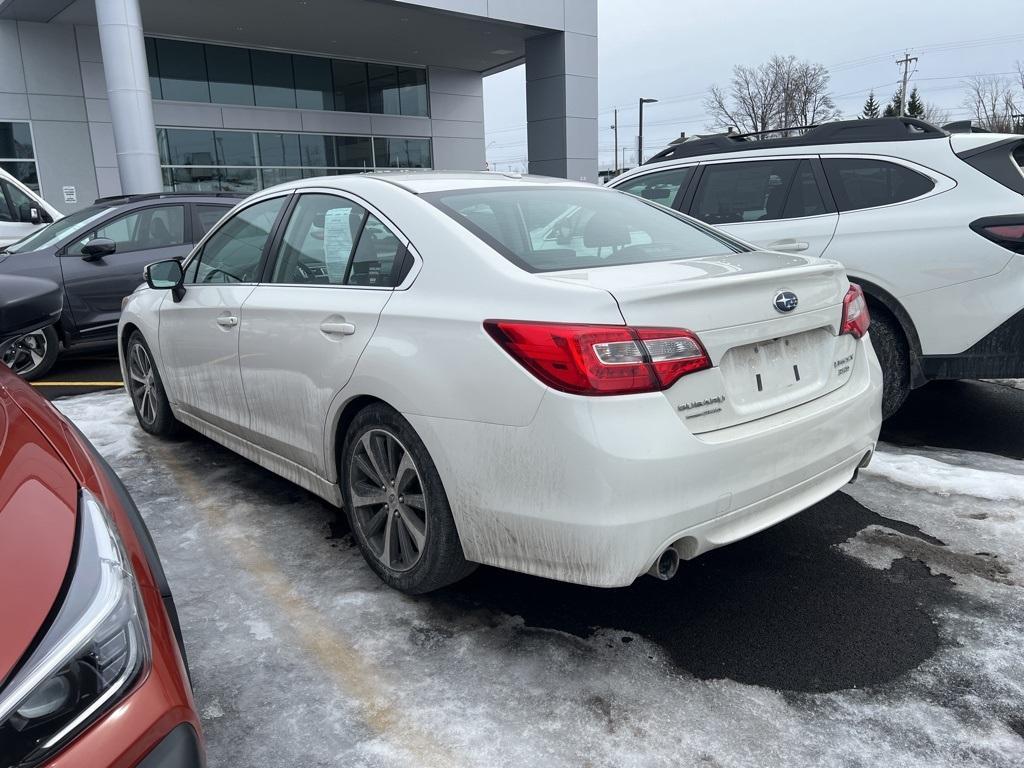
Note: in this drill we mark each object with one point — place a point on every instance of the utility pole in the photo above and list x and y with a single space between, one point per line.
640 137
615 127
906 61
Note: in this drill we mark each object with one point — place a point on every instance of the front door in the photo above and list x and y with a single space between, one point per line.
776 205
199 333
95 286
306 326
16 214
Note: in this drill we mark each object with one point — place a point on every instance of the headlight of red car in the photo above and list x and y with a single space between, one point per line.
92 652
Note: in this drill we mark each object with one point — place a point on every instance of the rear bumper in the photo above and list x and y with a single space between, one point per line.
594 489
999 355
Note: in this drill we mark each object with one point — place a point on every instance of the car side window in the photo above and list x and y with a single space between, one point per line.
804 196
16 204
318 242
234 251
735 192
859 183
140 230
378 257
207 216
660 187
7 210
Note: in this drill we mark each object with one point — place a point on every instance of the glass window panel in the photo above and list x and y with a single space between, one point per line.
312 173
140 230
207 216
804 197
234 250
21 205
26 173
314 88
735 192
402 153
353 151
317 151
15 140
182 69
866 183
660 187
195 179
272 176
412 90
350 86
239 180
272 76
230 75
279 149
383 80
235 148
378 255
185 147
154 69
318 241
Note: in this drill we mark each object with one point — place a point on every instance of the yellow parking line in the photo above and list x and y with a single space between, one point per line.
77 383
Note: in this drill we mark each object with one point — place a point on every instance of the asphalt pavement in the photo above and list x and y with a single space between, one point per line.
80 372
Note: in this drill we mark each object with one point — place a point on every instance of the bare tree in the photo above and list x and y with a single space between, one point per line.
991 100
936 115
780 93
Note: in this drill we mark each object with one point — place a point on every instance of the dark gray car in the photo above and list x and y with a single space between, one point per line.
97 254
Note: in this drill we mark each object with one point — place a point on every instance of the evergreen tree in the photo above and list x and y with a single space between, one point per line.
915 107
892 109
871 109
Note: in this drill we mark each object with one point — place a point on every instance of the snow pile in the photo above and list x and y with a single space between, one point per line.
107 419
945 479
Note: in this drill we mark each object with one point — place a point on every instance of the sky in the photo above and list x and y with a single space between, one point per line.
673 50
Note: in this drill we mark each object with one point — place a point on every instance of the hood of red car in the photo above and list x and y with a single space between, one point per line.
38 509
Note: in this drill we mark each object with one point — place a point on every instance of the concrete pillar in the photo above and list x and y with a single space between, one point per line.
561 105
131 105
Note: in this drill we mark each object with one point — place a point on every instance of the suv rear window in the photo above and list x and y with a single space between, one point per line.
544 229
866 183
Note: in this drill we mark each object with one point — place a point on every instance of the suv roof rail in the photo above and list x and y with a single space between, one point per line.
840 132
964 126
161 195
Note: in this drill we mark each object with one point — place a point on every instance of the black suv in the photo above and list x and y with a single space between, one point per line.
97 255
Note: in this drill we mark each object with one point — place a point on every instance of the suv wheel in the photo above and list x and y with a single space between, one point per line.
894 356
147 390
396 505
33 355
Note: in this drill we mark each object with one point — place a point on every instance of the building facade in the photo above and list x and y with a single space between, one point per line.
107 97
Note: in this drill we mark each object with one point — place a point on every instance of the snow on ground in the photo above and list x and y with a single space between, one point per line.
300 656
1015 383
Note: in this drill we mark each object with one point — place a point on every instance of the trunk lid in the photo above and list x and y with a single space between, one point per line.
765 360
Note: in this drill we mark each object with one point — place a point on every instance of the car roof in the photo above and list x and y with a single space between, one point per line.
421 182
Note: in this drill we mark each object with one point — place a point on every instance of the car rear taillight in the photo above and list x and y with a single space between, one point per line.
601 359
1007 231
856 318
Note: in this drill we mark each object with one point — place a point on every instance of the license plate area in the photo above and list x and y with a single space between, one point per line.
777 373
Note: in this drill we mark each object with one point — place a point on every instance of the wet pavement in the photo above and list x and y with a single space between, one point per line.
881 627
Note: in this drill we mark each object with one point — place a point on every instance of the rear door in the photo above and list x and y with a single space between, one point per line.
332 271
95 286
779 204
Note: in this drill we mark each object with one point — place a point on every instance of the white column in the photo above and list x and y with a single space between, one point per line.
131 105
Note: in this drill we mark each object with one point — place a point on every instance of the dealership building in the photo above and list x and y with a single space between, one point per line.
107 97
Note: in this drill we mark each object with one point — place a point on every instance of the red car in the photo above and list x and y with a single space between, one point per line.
92 666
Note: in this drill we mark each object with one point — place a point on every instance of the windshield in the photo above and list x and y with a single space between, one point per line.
52 234
543 229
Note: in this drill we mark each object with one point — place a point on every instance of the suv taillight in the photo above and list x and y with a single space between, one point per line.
601 359
856 318
1007 231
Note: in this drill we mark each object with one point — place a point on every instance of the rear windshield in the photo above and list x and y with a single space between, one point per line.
542 229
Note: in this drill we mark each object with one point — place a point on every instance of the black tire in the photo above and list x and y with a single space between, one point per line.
440 561
154 413
894 356
33 355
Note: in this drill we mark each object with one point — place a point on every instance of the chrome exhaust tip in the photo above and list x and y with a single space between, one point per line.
666 565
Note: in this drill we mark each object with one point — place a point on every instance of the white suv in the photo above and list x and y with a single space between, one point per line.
22 211
930 224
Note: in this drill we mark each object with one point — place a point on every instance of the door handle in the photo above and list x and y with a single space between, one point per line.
788 246
337 327
227 321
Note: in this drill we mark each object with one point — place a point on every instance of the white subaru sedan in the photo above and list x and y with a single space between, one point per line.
531 373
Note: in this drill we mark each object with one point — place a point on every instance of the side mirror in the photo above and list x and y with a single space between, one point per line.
33 215
97 248
166 275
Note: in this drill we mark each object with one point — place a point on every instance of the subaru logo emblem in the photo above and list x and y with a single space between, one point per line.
785 301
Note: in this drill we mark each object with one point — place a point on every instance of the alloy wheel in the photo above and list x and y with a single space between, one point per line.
142 383
388 502
27 353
